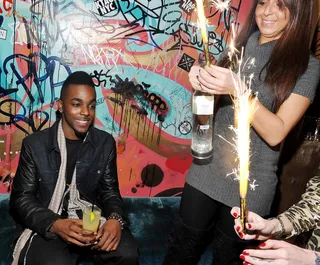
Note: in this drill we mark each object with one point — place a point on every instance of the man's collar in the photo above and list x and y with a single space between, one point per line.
53 134
89 138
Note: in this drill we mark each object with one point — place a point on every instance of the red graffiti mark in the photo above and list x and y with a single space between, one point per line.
179 163
6 5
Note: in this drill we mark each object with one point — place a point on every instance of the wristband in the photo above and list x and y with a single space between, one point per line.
118 217
317 261
282 231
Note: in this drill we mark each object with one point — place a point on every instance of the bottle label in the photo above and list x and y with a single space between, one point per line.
204 127
203 105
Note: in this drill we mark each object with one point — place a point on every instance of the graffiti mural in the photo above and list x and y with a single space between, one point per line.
138 54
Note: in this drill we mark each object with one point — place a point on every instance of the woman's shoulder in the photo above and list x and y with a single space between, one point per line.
308 82
313 69
255 35
313 60
253 38
314 63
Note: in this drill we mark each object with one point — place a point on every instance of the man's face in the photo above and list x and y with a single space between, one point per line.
78 110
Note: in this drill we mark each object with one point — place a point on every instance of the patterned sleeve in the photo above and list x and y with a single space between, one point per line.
305 214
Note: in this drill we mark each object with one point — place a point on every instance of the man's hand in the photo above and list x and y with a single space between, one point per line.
70 230
278 253
109 236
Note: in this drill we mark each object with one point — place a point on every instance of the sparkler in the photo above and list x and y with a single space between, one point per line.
243 105
221 5
203 27
244 108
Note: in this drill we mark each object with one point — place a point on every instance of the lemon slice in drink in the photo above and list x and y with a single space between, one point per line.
92 216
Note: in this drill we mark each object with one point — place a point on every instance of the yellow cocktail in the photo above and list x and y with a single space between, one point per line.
91 218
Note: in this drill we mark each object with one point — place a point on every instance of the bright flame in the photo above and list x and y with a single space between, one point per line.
221 5
232 48
244 109
202 21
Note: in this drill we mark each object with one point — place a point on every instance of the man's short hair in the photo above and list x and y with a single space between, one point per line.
76 78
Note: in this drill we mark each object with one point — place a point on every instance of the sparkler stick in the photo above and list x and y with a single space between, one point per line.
243 144
244 105
203 22
244 108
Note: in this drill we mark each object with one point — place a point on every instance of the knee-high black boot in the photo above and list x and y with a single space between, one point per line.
185 245
226 250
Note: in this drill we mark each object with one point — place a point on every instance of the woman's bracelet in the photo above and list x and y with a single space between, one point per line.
317 260
280 233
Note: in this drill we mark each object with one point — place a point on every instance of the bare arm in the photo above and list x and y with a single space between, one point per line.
274 128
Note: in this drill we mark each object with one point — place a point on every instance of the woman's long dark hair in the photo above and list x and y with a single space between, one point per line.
290 56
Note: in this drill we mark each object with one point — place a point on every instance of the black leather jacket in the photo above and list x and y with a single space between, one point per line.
37 174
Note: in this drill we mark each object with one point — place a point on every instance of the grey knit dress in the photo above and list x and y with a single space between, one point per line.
214 179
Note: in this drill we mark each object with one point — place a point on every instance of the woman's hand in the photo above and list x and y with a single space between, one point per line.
261 229
214 80
278 253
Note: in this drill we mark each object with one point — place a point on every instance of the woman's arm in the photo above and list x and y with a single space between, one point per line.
304 215
299 218
273 128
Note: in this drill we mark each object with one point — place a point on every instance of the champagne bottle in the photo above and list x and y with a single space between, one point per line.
202 127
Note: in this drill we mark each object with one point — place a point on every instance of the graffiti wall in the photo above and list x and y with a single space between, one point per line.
138 54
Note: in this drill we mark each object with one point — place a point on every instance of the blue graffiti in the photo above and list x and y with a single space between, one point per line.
16 118
51 64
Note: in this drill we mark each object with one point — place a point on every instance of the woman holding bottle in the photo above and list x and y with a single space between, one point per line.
277 35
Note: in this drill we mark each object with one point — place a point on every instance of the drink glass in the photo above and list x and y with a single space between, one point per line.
91 218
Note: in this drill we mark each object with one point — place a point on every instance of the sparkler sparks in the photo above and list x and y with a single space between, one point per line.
244 109
221 5
203 27
253 185
232 49
243 104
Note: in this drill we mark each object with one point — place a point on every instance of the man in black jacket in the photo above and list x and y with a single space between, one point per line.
62 170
